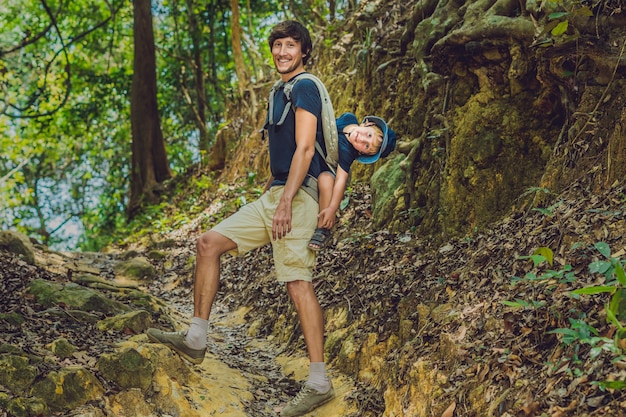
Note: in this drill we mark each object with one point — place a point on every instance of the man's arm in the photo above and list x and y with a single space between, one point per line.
306 129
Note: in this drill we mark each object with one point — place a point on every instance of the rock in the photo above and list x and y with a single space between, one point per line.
72 295
25 407
61 348
385 181
128 369
16 373
137 321
13 319
19 244
136 268
131 403
68 388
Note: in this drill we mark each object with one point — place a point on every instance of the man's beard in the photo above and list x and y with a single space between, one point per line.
291 68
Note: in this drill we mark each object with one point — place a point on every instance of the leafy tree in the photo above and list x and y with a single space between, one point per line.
65 123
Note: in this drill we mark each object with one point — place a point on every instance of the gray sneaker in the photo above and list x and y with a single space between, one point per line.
307 400
176 342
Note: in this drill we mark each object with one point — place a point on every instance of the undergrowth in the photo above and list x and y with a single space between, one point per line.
581 340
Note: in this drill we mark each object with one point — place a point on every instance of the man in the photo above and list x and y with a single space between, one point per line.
284 215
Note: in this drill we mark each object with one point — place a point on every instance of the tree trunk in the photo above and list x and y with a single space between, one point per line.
149 158
240 66
198 77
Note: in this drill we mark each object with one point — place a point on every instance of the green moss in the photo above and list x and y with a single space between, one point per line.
68 388
72 295
16 373
14 319
128 369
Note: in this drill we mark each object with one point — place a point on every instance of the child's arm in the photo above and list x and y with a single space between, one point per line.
327 215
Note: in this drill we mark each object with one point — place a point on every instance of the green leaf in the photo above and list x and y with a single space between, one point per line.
557 15
611 318
547 254
599 266
617 385
560 29
603 248
594 290
619 273
511 304
344 203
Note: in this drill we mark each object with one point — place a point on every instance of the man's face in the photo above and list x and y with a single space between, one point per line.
287 54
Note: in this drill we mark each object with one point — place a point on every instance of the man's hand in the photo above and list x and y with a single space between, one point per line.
281 224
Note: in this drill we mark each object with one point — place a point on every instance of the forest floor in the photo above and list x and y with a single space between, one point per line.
371 270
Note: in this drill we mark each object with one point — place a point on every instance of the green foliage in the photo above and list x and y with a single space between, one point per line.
548 211
540 256
523 304
615 284
560 26
581 333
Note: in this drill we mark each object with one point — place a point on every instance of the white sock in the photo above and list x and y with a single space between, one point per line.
196 335
317 377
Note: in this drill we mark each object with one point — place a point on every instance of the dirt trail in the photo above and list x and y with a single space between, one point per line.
241 375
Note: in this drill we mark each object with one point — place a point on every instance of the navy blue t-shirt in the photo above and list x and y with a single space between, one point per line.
282 139
347 153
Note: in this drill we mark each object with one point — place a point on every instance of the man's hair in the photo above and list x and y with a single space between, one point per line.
295 30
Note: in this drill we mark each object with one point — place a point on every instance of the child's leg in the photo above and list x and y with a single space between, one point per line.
325 183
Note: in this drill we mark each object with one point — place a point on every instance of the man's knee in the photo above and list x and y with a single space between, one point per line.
213 244
298 289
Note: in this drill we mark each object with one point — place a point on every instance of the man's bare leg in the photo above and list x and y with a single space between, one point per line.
191 344
312 324
209 249
318 389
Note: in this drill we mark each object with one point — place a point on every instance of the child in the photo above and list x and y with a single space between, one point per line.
365 142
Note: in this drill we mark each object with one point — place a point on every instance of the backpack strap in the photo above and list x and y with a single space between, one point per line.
269 117
329 123
287 92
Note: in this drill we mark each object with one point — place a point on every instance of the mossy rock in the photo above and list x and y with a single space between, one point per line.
61 348
16 373
68 388
138 268
7 348
13 318
75 296
19 244
385 183
128 369
27 407
157 255
137 321
144 301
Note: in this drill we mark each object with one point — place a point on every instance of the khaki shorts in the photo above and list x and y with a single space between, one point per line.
251 228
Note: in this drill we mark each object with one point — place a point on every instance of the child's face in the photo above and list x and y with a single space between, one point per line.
364 139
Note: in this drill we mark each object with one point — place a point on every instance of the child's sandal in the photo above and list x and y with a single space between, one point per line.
319 239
